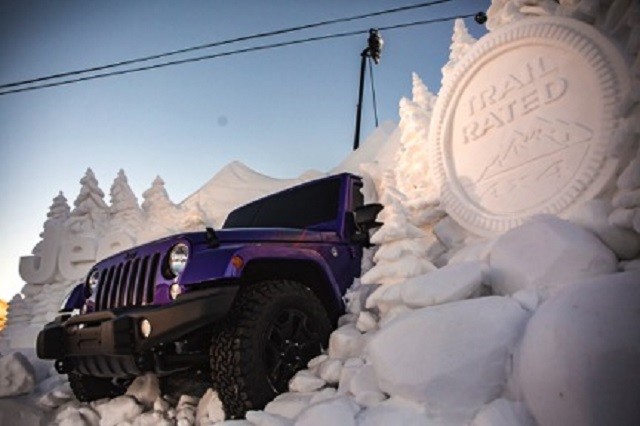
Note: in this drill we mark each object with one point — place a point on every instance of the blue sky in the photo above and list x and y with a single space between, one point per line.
280 111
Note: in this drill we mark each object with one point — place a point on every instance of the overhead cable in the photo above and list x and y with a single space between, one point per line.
223 42
230 53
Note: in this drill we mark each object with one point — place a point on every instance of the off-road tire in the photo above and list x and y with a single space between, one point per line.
274 329
89 388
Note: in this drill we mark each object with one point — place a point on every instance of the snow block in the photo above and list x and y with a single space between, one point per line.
289 405
450 357
262 418
336 411
118 410
346 342
145 389
330 370
546 254
391 414
503 412
305 381
364 387
580 355
594 215
17 375
209 408
450 283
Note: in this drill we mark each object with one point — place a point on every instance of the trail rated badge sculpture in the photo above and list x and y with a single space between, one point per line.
242 308
527 123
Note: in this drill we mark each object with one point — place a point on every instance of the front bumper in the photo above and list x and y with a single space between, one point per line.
111 344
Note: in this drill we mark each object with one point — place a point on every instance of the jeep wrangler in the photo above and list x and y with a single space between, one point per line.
240 309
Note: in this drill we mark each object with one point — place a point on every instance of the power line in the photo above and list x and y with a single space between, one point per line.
230 53
223 42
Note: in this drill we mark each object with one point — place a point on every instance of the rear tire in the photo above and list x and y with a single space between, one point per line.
89 388
275 328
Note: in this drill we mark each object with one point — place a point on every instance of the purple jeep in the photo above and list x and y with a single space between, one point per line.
240 309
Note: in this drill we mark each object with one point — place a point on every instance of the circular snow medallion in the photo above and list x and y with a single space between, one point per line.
526 122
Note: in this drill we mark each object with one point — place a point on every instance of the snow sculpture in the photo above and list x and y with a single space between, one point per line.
414 180
402 253
41 267
126 215
91 212
125 219
162 217
502 12
461 43
515 133
87 222
57 216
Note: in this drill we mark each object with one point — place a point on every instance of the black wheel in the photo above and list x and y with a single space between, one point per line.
275 328
89 388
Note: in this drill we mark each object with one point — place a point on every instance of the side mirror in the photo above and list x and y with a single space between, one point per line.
365 218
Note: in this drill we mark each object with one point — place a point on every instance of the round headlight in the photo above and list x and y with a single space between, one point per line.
92 282
178 257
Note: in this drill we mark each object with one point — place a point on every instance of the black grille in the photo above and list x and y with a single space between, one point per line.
131 283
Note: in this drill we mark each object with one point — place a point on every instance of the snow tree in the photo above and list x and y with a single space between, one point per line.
91 213
56 218
162 216
412 166
402 251
421 94
126 215
461 43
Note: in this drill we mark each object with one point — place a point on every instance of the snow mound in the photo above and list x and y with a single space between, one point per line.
450 357
580 355
17 375
546 254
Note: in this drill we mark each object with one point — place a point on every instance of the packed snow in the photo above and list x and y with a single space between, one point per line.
535 325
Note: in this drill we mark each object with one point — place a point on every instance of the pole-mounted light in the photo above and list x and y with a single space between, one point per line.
373 51
375 45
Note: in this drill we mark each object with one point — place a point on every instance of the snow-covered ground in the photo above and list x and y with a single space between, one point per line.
453 322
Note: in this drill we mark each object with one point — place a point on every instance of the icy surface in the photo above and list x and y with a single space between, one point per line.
580 354
546 254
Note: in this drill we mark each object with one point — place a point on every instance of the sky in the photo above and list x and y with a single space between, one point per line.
281 111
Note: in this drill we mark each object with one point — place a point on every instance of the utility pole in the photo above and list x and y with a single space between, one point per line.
373 51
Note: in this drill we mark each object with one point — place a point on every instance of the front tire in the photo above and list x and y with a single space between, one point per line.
275 328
